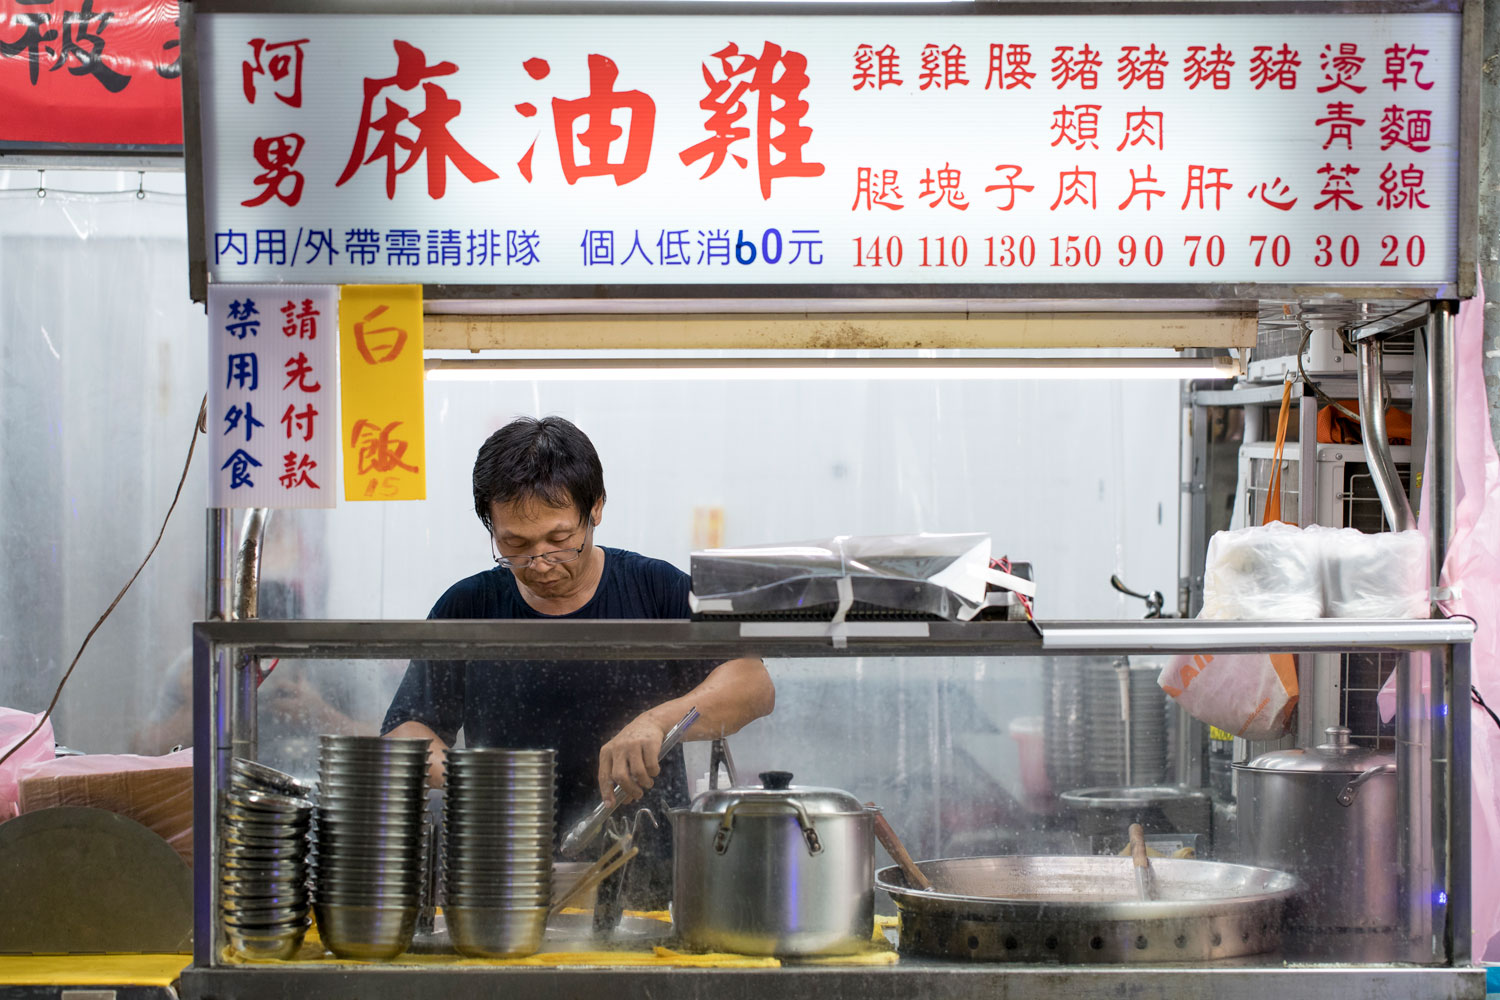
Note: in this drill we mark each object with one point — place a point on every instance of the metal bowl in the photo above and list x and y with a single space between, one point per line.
244 825
248 897
369 825
494 932
356 740
500 754
284 850
1074 910
277 944
265 916
267 803
253 776
381 898
271 870
407 808
366 931
235 835
266 824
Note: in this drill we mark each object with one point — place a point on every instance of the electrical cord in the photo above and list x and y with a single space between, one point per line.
200 426
1479 700
1323 397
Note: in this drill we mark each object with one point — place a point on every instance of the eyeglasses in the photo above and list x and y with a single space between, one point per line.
554 558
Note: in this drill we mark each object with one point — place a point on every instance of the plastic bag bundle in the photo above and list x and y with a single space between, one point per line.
1268 572
14 725
1373 576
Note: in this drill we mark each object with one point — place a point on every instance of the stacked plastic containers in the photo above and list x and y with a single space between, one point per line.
371 844
498 830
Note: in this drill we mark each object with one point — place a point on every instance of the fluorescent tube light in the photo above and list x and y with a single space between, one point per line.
821 369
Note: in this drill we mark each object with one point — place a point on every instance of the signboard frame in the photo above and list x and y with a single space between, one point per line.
914 297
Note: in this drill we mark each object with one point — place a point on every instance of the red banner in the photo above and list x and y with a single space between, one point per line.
101 72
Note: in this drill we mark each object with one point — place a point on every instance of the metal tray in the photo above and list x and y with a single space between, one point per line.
1085 910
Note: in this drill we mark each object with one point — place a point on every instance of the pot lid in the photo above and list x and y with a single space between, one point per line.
776 786
1336 756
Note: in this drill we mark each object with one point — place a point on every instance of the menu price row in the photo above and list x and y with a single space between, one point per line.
1208 251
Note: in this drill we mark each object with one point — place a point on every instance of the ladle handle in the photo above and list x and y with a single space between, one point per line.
897 851
1138 845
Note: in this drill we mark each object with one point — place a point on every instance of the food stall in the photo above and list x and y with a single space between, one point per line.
1143 210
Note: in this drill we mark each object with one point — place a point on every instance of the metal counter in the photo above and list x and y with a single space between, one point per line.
226 655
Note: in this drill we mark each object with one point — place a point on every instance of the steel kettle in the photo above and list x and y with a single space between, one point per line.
1328 814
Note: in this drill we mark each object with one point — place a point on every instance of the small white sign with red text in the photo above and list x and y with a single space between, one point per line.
273 422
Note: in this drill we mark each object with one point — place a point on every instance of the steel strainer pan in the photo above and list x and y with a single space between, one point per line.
1085 910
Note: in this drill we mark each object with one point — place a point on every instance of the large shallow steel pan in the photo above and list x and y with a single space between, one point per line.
1075 910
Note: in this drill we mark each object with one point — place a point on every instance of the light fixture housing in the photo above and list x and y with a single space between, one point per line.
509 369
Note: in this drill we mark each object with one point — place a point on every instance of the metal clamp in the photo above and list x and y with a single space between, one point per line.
804 822
1347 793
719 755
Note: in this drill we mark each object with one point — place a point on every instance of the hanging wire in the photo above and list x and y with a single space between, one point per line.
200 426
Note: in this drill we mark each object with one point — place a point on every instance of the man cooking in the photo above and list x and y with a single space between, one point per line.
539 491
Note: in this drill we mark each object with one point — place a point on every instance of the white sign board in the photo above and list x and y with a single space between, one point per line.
273 420
734 150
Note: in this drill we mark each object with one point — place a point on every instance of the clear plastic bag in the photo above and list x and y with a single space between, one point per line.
925 574
1273 571
1373 576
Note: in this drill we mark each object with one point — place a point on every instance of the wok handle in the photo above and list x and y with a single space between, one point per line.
1138 845
897 850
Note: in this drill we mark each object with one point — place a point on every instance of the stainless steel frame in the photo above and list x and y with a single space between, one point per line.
220 643
913 296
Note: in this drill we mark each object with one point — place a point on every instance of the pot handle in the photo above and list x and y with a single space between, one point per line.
1347 793
804 822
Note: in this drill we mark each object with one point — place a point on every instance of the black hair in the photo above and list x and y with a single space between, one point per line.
548 460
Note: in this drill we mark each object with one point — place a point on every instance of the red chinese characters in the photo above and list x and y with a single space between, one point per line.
773 76
433 140
1147 67
876 68
282 62
1009 68
597 111
944 69
1278 66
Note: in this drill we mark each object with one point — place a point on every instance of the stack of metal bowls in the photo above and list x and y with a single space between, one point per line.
369 869
263 866
1064 724
1108 731
497 828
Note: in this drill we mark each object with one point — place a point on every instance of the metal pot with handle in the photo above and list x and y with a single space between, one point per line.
775 870
1328 814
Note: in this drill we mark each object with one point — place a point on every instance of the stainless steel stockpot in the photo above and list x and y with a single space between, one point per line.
1328 815
775 870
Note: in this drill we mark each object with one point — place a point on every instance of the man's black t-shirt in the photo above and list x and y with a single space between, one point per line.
573 707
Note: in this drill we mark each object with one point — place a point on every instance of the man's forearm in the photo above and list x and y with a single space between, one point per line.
734 695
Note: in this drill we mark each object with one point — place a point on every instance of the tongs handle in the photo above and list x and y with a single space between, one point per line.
615 857
586 829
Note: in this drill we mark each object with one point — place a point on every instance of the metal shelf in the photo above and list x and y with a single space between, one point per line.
911 978
676 639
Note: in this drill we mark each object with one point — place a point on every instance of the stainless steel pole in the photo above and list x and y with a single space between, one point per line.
1372 403
217 576
1450 701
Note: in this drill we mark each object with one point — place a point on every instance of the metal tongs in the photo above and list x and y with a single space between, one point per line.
586 829
616 856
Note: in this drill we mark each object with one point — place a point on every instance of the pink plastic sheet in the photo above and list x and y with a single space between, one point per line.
1471 573
14 725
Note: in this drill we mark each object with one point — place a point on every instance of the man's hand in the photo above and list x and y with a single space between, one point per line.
629 760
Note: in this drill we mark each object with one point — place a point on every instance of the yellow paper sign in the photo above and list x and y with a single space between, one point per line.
380 390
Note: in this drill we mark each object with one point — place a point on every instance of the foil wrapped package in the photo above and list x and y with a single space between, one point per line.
855 577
